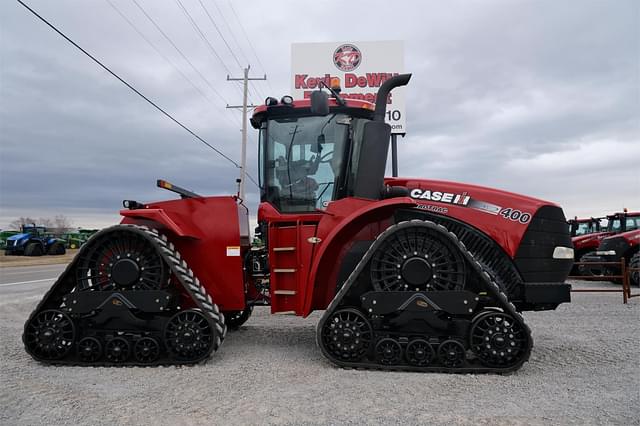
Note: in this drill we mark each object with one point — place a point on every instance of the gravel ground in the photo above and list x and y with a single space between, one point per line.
583 370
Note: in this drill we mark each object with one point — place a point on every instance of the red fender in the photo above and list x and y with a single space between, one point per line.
159 216
348 224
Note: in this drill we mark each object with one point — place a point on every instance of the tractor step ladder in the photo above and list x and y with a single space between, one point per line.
285 265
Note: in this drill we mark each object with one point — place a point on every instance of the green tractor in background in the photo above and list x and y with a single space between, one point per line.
3 237
77 239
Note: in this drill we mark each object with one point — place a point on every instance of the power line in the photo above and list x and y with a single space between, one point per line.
150 43
196 70
220 33
204 38
136 91
264 70
246 59
253 88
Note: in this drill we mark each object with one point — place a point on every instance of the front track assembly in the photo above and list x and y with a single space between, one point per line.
418 300
128 298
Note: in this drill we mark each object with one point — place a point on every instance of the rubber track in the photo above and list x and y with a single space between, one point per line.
181 271
490 286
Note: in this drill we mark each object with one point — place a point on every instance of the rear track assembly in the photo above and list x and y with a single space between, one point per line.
128 298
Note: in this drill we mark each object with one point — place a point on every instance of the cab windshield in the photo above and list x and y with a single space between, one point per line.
302 160
585 228
614 225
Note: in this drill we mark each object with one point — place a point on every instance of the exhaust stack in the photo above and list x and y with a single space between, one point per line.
383 94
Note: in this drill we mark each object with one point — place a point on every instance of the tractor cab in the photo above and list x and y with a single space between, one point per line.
623 222
32 229
307 160
318 150
579 227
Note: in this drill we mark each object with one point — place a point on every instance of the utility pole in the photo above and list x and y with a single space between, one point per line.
243 161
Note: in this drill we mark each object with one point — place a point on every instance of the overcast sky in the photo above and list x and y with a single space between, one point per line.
540 97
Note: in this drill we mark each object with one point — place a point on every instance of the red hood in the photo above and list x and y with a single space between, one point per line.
596 237
632 237
502 215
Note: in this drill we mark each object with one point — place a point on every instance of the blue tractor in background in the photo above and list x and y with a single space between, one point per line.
34 241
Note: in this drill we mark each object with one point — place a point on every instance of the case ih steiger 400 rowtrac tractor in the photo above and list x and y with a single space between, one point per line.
412 274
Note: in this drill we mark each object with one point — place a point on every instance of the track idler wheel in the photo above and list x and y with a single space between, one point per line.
146 350
89 349
419 353
50 335
190 335
416 258
347 335
451 354
498 340
234 319
117 349
121 259
388 351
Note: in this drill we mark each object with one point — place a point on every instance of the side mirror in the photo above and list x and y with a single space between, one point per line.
319 103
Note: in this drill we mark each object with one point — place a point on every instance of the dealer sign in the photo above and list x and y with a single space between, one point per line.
361 67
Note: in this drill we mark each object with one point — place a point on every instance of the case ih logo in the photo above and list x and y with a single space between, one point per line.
347 57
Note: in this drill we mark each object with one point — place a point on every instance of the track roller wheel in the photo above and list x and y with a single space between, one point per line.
146 350
498 340
234 319
347 335
189 335
419 353
417 259
451 353
89 349
50 335
388 351
117 349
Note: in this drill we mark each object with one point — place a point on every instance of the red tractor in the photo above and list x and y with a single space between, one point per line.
613 249
585 246
412 274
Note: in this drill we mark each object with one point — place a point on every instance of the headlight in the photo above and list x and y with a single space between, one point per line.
563 253
606 253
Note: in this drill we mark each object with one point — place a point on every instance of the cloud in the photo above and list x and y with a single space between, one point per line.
535 97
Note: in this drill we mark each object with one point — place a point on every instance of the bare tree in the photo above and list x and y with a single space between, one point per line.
46 222
61 224
58 225
17 224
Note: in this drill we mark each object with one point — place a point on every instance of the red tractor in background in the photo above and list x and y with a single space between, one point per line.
582 237
412 274
585 246
579 227
613 249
